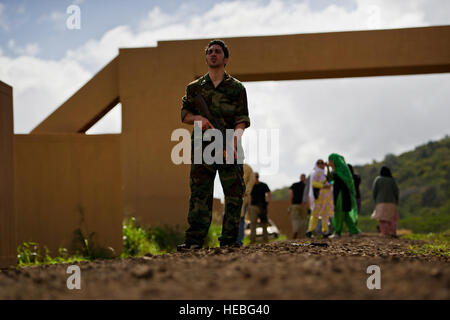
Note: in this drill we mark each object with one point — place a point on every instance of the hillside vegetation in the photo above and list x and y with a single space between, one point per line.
423 176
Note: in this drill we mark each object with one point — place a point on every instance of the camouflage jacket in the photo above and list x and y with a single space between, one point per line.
227 102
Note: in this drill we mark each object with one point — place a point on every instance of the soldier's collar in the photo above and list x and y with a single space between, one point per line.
206 78
226 76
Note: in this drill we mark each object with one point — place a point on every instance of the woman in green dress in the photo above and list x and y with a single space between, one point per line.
345 207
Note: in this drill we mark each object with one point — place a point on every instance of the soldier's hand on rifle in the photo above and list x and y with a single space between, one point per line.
205 122
235 147
238 132
225 155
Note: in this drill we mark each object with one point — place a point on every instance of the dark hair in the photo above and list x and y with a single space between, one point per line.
221 44
385 172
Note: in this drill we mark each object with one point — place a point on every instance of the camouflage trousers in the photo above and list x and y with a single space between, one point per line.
200 203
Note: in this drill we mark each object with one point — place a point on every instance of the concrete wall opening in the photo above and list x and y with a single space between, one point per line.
110 123
361 118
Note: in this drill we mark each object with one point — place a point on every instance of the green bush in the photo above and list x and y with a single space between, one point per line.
367 224
136 240
437 244
88 248
165 237
30 253
425 224
212 238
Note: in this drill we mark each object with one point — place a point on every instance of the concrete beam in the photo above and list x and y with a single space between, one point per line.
8 241
329 55
88 105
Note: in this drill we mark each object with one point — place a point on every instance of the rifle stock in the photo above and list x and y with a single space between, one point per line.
201 105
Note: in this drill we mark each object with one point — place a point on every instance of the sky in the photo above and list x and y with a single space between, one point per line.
361 118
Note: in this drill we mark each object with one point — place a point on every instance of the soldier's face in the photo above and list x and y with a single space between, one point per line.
215 56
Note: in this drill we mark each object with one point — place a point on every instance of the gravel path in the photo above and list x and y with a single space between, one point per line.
313 269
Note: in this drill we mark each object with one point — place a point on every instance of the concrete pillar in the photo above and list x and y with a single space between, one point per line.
8 241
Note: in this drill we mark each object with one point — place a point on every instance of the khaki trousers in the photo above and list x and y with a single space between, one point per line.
254 212
299 218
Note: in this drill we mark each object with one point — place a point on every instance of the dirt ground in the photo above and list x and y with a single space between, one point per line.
281 270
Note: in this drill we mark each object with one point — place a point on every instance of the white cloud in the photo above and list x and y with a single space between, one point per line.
156 19
317 116
31 49
96 53
56 18
278 17
436 11
363 118
40 86
240 18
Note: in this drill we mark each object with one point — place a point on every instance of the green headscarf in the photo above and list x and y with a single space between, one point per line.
343 171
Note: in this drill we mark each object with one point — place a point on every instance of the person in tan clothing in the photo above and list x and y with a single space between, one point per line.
249 180
297 209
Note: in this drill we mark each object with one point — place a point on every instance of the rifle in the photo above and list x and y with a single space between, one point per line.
201 105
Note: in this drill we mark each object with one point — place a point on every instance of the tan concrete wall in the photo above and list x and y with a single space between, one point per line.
151 82
59 176
178 213
278 213
8 242
153 185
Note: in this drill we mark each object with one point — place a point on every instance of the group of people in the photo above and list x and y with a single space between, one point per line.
256 199
328 195
332 196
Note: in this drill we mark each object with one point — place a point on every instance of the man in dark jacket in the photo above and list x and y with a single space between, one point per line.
261 197
297 207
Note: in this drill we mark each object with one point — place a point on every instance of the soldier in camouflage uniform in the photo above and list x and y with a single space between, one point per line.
227 101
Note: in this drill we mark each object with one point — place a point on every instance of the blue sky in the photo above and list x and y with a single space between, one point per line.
43 21
46 63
